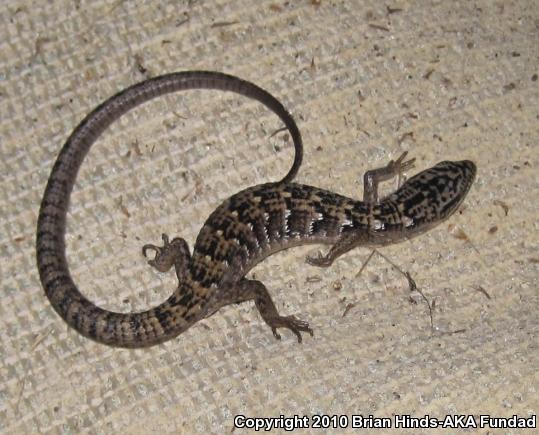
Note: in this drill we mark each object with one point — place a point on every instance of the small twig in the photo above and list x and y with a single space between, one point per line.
456 331
139 62
223 24
278 131
348 308
459 233
187 195
482 290
390 262
428 74
391 10
123 208
502 205
413 287
411 283
181 22
21 389
39 339
364 265
378 27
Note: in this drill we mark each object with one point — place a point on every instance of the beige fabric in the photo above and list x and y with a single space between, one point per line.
443 80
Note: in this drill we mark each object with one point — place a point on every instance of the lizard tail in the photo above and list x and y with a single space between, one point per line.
134 329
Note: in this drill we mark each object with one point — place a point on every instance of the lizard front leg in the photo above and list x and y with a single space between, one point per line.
354 239
372 178
348 242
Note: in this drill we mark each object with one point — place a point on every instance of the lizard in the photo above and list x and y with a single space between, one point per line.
245 229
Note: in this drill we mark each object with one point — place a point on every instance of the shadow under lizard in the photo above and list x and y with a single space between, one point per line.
242 231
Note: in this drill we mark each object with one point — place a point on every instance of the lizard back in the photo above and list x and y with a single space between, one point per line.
242 231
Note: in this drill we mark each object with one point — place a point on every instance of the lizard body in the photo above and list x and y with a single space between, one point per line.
242 231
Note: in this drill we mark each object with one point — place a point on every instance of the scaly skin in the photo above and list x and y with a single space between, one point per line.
246 228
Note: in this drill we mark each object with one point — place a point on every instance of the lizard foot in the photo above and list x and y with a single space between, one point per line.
169 254
290 322
399 166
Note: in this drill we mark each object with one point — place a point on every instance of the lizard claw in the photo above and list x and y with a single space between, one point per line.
167 255
400 165
290 322
319 261
158 249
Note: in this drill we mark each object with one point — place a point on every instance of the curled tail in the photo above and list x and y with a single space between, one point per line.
133 329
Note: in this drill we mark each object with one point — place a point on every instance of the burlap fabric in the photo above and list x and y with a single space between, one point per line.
365 80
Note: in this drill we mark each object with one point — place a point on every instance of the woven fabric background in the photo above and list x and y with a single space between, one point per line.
365 81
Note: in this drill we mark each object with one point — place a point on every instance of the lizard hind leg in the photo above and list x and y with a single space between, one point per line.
247 289
172 253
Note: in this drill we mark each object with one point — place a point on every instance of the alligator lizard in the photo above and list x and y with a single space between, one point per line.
242 231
